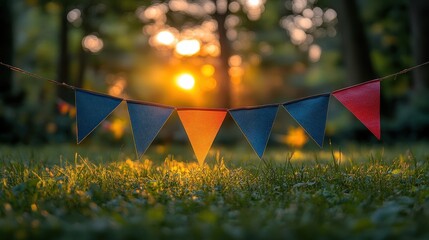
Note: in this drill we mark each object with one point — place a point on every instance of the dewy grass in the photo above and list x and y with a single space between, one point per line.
57 193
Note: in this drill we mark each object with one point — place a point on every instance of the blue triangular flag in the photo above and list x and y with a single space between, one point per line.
146 122
91 109
311 114
256 124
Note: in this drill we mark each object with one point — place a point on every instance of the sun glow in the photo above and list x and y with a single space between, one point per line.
188 47
185 81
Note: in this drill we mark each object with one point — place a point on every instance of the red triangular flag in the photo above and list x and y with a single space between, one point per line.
202 127
363 101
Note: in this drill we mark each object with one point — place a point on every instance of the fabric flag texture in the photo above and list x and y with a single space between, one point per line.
364 102
91 109
311 114
146 122
201 126
256 124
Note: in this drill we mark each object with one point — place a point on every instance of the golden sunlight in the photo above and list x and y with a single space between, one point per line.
188 47
296 137
117 127
208 70
185 81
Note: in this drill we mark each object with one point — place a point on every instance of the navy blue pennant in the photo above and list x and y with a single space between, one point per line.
91 109
311 114
146 122
256 124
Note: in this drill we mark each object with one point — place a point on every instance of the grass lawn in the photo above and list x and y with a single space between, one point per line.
70 192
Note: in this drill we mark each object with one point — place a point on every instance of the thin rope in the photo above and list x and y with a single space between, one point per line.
63 84
403 71
17 69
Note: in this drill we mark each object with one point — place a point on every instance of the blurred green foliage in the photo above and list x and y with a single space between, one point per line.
283 71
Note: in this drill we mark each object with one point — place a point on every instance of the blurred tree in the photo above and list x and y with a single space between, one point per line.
355 44
6 53
71 11
419 13
416 116
309 24
184 16
241 27
63 68
85 17
9 99
306 22
220 16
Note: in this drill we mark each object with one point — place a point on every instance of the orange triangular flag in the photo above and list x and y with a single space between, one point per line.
201 127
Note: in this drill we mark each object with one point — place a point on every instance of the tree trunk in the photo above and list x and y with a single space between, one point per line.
63 74
82 68
419 13
355 44
416 114
224 88
6 49
82 55
9 101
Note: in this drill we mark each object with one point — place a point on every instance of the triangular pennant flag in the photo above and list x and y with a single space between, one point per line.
91 109
201 126
256 124
146 122
363 101
311 114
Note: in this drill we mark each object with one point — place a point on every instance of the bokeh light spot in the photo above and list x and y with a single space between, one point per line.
188 47
185 81
296 137
73 15
165 37
210 84
314 53
235 61
207 70
92 43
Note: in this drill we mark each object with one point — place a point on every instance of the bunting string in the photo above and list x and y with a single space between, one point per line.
19 70
403 71
63 84
202 124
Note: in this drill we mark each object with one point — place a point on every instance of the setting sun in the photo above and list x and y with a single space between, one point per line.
188 47
185 81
